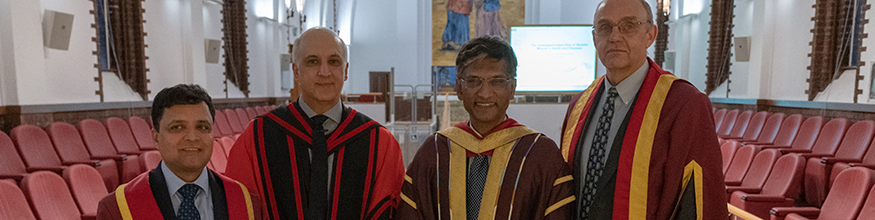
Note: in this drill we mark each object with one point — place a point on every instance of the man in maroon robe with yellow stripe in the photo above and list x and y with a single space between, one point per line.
641 141
316 158
491 167
183 118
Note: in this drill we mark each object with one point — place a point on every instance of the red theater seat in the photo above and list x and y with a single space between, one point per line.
756 176
783 136
868 161
780 188
251 113
827 141
234 121
852 147
149 160
142 133
868 211
728 123
70 147
843 202
36 149
243 116
740 164
728 150
49 196
222 123
122 138
757 127
804 140
11 166
718 118
227 144
260 110
14 204
84 183
100 146
218 160
741 124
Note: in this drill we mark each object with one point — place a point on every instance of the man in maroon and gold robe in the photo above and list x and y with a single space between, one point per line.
316 158
490 167
640 140
181 187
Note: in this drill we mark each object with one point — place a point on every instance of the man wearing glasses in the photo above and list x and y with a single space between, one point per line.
641 142
490 167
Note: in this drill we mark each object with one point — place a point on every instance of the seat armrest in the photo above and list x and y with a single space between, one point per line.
787 151
730 189
870 166
832 160
810 155
89 216
763 198
770 146
93 163
16 177
732 138
58 169
733 183
803 211
120 157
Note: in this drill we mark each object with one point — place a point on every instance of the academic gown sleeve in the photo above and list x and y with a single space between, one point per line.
107 208
241 165
558 191
389 176
692 137
417 190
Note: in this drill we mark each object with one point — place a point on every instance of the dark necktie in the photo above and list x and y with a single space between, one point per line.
318 195
476 182
596 164
187 210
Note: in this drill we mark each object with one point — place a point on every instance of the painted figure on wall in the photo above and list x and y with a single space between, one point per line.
457 30
488 21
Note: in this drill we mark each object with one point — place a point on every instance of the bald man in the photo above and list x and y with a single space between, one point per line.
316 158
640 140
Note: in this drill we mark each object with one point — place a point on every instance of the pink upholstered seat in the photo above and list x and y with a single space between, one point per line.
84 183
844 201
779 190
71 149
49 196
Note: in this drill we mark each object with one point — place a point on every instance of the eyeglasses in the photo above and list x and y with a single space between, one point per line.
476 82
625 27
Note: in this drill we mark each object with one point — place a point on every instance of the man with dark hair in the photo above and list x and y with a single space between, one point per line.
490 167
181 187
316 158
640 140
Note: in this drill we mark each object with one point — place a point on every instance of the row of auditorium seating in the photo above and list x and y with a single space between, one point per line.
231 122
62 171
772 161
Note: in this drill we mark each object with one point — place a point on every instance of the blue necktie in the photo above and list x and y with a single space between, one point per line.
476 183
596 164
318 194
187 210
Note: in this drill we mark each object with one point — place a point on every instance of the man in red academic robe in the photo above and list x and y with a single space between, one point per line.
315 158
641 141
490 167
181 187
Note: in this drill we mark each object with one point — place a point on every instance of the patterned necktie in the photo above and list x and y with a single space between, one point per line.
476 182
596 164
187 210
318 194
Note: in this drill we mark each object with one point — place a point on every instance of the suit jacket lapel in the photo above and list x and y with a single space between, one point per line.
217 192
161 193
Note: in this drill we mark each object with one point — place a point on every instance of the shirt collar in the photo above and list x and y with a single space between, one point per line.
628 88
334 113
174 182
